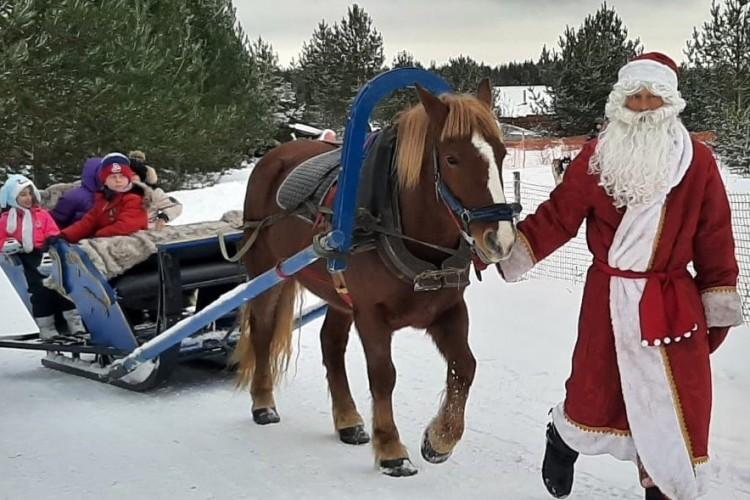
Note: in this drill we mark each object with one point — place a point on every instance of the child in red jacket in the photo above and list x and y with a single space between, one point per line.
23 231
118 209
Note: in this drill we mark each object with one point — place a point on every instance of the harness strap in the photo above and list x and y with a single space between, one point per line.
339 283
256 226
370 225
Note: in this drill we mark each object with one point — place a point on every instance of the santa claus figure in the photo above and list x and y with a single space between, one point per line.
653 202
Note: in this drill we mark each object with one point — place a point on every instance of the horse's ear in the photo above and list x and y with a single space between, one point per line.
484 92
436 109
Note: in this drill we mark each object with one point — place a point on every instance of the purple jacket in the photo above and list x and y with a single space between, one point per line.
75 203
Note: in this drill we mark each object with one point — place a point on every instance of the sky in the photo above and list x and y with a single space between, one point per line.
492 31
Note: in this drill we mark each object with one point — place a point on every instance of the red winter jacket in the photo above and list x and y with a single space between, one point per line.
124 214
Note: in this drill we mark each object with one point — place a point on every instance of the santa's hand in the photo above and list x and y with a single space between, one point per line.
11 246
716 336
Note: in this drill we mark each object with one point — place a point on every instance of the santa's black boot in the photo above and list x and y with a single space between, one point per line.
653 493
557 467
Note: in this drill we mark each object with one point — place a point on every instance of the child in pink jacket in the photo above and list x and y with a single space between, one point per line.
24 227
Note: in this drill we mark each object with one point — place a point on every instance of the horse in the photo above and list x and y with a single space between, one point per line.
449 155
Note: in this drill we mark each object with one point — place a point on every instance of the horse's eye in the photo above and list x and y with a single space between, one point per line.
451 160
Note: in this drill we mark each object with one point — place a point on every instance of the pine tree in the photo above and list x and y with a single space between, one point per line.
581 75
318 74
463 73
400 100
545 66
335 63
271 92
176 79
717 81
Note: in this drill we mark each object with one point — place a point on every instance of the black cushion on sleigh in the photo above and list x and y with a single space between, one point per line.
176 270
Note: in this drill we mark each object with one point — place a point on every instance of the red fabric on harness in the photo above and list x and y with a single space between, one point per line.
479 264
310 273
327 202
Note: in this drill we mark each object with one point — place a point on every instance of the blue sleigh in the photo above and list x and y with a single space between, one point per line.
139 355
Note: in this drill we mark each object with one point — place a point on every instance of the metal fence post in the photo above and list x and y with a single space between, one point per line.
517 186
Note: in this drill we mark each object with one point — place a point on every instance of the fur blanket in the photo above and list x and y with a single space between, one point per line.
114 255
53 193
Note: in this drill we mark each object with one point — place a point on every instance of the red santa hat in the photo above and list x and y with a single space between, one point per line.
651 67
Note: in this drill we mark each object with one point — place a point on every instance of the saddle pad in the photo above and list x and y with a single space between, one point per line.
310 180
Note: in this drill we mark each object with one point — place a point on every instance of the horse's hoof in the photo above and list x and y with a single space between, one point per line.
265 416
354 435
398 467
429 453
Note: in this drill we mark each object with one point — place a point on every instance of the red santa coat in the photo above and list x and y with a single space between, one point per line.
124 214
658 413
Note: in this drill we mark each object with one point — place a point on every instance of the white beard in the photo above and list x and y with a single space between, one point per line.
634 153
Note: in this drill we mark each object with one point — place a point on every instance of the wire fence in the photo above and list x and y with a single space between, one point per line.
572 260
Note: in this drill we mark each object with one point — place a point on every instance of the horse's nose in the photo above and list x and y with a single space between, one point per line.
499 242
490 241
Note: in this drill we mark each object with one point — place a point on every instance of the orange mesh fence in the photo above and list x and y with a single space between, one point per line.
542 150
541 143
576 142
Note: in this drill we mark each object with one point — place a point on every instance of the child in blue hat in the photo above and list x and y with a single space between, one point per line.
24 227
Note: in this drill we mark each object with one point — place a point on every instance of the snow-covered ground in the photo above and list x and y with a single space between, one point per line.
70 438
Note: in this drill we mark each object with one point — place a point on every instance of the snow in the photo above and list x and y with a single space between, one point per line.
67 437
736 184
71 438
211 203
16 319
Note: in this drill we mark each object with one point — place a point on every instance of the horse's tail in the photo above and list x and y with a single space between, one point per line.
280 344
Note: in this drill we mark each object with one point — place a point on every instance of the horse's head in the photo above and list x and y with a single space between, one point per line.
463 140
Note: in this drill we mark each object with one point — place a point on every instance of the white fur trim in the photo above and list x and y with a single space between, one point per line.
27 226
644 374
520 261
723 307
592 442
702 477
646 70
151 176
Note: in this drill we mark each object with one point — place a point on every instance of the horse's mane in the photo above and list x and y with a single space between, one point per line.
466 115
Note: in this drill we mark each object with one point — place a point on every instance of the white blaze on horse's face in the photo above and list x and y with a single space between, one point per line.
497 244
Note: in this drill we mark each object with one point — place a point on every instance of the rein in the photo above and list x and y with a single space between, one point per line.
370 223
256 226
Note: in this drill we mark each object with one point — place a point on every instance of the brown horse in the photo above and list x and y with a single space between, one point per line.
455 136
